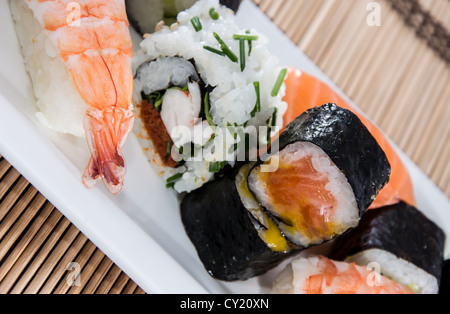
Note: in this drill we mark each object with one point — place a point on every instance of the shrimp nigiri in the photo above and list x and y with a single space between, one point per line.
92 39
304 91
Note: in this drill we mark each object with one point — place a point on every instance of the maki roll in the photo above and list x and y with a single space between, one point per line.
328 169
196 83
321 275
445 280
144 15
389 237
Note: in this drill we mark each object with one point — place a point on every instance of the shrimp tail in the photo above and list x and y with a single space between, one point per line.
106 133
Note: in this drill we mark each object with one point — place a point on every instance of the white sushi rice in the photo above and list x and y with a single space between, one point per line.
346 213
233 98
59 104
398 270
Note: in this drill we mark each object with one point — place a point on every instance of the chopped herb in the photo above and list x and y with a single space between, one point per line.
170 182
225 49
216 167
170 185
214 14
279 82
219 52
155 99
217 37
258 99
196 23
230 54
184 89
207 114
250 44
168 148
245 37
175 178
158 104
242 53
274 117
272 125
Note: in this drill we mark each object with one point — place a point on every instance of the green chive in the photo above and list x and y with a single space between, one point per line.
245 37
242 52
274 117
250 44
217 37
207 114
226 50
158 104
272 125
170 182
184 89
169 148
170 185
211 49
196 23
213 14
215 167
258 99
279 82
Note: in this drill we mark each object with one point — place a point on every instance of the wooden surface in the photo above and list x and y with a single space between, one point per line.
395 74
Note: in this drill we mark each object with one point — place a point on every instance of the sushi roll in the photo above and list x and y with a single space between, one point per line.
329 170
201 86
407 245
144 15
445 280
321 275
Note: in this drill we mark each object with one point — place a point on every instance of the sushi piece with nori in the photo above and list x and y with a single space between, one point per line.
194 97
329 170
144 15
230 241
406 245
445 279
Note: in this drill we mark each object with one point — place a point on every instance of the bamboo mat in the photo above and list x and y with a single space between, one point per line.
397 73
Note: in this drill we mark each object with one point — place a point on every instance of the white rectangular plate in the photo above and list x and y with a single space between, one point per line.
140 229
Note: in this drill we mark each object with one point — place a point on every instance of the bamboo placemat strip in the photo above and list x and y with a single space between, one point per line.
391 72
37 244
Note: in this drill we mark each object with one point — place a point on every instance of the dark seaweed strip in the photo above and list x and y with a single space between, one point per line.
232 4
224 233
445 279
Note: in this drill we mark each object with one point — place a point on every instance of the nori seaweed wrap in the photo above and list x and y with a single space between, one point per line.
232 4
402 240
329 170
445 279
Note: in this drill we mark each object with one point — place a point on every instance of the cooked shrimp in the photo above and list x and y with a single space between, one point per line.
93 39
304 91
320 275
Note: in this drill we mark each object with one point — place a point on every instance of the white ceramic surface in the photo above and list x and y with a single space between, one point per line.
140 229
